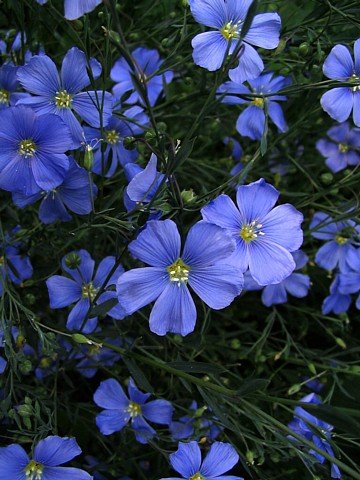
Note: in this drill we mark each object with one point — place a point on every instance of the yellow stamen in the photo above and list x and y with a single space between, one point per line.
341 240
112 137
4 97
63 99
251 231
27 148
134 409
230 30
197 476
343 148
34 470
89 291
178 272
258 102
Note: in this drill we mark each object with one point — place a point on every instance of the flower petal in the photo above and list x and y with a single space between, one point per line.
13 460
65 473
174 311
135 394
338 103
39 76
74 74
255 200
274 294
62 291
88 106
77 316
338 64
207 244
143 431
222 212
77 8
158 411
110 395
328 255
220 459
264 31
251 123
277 116
187 459
157 245
297 284
282 225
54 450
250 65
209 13
356 108
141 286
110 421
49 170
209 50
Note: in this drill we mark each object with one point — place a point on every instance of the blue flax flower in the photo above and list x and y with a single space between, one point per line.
296 284
14 266
120 410
251 122
187 425
227 18
314 430
32 150
204 264
8 86
343 149
76 8
187 461
62 95
143 183
336 302
72 194
83 287
340 101
146 66
349 282
342 237
265 236
49 454
115 154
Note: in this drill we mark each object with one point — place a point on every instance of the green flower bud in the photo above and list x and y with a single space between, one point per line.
72 261
188 196
304 48
250 457
150 135
88 157
25 410
235 343
25 367
79 338
162 127
294 389
340 342
327 178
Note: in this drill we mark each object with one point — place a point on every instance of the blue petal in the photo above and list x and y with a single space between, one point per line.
274 294
174 311
338 103
39 76
103 270
180 430
216 285
187 459
77 8
52 209
264 31
158 411
158 245
356 110
135 394
54 450
13 460
88 105
339 65
65 473
255 200
349 282
77 316
212 14
110 395
297 284
251 122
141 286
209 50
282 225
269 262
17 176
222 212
327 228
145 184
3 364
143 431
328 255
326 148
62 291
300 259
250 65
49 170
220 459
76 130
110 421
207 244
277 116
336 303
74 74
84 273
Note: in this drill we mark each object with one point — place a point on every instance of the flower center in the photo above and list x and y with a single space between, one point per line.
258 102
4 97
89 291
341 240
45 362
34 471
27 148
63 99
112 137
355 79
178 272
251 231
134 409
343 148
197 476
230 30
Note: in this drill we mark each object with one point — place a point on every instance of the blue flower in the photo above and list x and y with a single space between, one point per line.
296 284
227 18
49 454
32 150
345 151
115 153
204 264
339 102
63 94
336 302
349 282
341 236
76 8
120 410
186 426
83 287
264 235
187 461
8 86
14 266
73 194
143 183
309 426
251 122
146 64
